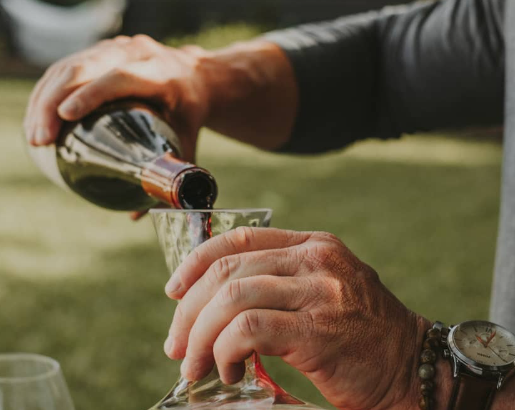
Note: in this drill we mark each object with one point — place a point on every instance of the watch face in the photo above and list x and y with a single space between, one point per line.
483 343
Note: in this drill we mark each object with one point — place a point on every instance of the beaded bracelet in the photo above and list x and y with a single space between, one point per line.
426 370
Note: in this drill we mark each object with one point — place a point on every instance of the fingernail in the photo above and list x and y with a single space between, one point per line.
41 136
169 345
173 286
70 108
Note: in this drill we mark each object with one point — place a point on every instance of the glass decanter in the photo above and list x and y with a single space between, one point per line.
179 232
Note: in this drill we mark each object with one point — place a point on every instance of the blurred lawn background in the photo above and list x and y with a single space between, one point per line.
85 285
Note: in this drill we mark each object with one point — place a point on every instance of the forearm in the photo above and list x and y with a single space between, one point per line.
443 65
253 95
420 67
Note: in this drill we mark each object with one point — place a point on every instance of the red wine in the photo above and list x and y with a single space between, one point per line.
199 227
125 157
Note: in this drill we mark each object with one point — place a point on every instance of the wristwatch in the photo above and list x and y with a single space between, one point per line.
482 356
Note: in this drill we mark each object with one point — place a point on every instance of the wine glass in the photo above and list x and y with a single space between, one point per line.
32 382
179 232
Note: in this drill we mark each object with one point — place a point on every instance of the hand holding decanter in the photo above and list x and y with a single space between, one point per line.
180 233
302 296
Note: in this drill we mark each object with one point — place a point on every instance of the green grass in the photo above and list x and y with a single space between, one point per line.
84 285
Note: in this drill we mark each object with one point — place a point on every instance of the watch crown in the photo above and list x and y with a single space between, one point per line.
446 353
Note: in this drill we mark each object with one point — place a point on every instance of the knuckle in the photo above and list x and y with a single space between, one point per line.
196 57
303 325
119 73
75 68
72 71
322 323
325 255
220 270
294 326
318 255
121 39
143 40
332 290
231 293
296 254
247 323
316 292
327 237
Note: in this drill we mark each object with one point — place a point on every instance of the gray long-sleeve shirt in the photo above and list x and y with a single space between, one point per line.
421 67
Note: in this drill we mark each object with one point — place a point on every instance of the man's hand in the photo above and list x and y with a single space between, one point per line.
246 91
302 296
121 68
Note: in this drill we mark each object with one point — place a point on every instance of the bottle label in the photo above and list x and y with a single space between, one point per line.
46 160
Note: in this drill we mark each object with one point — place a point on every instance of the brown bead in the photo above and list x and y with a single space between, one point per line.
426 371
428 356
425 403
432 344
433 334
426 387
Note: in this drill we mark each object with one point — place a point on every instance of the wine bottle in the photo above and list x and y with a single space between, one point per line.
124 156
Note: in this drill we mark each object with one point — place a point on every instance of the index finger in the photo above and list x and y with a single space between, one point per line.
239 240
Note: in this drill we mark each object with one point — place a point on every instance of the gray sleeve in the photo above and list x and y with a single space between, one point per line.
429 65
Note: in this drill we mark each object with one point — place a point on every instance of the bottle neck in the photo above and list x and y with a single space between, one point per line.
180 184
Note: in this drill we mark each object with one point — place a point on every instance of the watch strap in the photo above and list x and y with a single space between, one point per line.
472 393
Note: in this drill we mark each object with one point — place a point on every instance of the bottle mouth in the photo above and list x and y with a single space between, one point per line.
198 190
